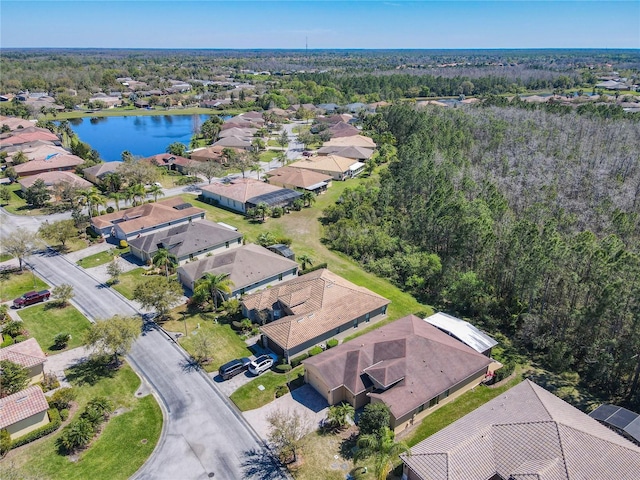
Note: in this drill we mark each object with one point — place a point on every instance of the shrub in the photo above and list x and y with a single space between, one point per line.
62 398
13 329
298 360
284 368
315 351
64 414
49 382
281 390
52 426
123 244
5 442
284 240
313 269
7 341
110 209
20 338
76 435
506 370
332 343
61 340
374 418
277 212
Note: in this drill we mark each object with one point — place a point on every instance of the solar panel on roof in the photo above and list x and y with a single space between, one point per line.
633 429
622 418
182 206
603 412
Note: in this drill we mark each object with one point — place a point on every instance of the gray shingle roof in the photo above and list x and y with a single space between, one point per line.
526 433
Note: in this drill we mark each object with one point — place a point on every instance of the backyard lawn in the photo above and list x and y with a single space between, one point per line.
127 440
226 343
45 321
249 396
13 285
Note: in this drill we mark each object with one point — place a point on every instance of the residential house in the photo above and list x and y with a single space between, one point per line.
37 150
238 132
23 412
299 178
357 153
329 107
354 141
56 162
356 107
96 173
242 194
15 123
337 118
187 241
244 143
28 135
250 267
409 365
623 421
109 101
52 179
311 309
524 433
29 355
343 129
169 161
463 331
338 168
147 218
211 154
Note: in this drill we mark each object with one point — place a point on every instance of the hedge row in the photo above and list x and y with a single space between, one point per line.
313 269
54 423
506 370
298 360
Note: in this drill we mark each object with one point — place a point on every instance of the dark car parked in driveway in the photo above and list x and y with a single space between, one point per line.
30 298
233 368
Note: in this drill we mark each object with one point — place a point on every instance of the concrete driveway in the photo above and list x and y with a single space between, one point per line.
305 400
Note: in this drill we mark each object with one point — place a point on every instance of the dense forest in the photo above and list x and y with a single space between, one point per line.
526 221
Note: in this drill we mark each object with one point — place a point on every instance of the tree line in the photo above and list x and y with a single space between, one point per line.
525 221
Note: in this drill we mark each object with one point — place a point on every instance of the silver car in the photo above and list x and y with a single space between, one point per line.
261 364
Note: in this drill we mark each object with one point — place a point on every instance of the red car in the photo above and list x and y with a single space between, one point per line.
30 298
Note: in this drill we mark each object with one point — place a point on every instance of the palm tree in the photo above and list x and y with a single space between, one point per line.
257 168
155 190
112 181
304 261
91 198
282 158
215 286
339 415
164 258
383 448
137 190
309 197
262 209
116 197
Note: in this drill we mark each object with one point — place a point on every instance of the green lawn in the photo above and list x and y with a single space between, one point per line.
45 321
268 155
5 256
127 440
249 397
101 258
458 408
17 204
13 285
227 344
128 282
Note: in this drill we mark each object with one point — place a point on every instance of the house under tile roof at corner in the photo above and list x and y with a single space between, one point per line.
23 411
29 355
525 433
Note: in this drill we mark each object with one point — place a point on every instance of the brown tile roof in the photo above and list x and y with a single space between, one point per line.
357 153
26 135
241 189
54 178
354 141
22 405
237 132
525 433
297 177
41 150
325 163
102 169
320 301
245 265
343 129
233 141
53 163
147 215
425 361
27 354
163 159
13 122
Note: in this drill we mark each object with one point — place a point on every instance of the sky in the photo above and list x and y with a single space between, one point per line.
369 24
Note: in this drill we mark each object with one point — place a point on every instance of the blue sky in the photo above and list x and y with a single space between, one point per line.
326 24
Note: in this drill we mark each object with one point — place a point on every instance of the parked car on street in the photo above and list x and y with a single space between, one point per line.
233 368
307 153
261 364
30 298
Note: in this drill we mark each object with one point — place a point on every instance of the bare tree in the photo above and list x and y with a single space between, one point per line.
287 430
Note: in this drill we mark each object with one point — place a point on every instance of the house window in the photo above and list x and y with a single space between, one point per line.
366 317
445 394
433 402
280 277
239 241
226 244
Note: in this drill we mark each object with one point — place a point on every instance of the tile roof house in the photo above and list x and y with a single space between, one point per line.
169 161
250 267
242 194
51 179
525 433
187 241
36 151
463 331
96 173
23 411
343 129
237 132
291 177
408 364
357 153
354 141
15 123
234 142
26 135
339 168
57 162
211 153
29 355
146 219
310 309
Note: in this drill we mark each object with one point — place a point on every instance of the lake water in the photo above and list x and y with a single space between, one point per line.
142 136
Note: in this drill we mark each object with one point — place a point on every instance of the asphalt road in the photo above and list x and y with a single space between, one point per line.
204 435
